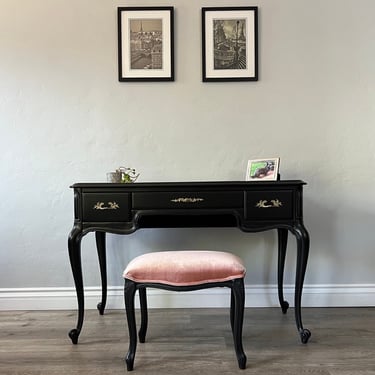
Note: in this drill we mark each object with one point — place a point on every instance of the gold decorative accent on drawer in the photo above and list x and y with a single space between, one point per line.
102 206
273 203
187 200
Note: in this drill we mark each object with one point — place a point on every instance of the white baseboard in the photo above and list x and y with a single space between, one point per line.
351 295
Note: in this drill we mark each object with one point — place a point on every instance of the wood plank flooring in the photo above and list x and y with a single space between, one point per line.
190 341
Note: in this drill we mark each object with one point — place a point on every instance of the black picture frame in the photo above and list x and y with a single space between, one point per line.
230 44
145 43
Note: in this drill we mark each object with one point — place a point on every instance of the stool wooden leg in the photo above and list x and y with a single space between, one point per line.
238 291
144 314
232 307
129 293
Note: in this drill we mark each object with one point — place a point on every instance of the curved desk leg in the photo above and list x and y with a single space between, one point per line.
282 243
74 246
101 249
303 243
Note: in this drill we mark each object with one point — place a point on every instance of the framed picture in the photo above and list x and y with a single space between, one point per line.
262 169
230 44
145 43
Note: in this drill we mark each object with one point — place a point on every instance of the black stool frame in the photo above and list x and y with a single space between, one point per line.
236 312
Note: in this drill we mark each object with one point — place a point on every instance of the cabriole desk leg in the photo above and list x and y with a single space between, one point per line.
74 247
303 244
282 243
101 249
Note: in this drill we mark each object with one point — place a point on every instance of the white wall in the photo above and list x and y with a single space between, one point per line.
65 118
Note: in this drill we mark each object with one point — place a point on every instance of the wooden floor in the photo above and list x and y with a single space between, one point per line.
190 341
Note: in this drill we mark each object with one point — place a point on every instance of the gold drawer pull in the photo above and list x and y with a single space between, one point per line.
187 200
265 204
111 206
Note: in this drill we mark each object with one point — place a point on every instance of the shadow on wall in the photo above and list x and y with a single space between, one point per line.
341 243
341 247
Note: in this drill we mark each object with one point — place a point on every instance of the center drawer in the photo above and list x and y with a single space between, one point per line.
189 199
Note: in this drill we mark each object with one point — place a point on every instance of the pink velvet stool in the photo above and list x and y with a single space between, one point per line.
184 271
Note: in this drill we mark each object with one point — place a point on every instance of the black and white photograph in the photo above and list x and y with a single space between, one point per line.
229 44
145 43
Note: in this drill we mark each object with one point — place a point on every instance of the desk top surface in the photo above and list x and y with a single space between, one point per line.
203 184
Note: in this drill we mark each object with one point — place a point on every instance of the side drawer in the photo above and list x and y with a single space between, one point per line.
181 200
102 207
269 205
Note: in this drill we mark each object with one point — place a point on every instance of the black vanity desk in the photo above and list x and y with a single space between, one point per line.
249 206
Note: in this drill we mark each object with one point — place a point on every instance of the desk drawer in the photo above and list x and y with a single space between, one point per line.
181 200
103 207
269 205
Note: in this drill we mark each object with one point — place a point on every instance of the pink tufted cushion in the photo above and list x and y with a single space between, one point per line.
185 267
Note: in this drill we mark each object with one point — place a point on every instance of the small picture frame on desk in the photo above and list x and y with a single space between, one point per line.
266 169
145 43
